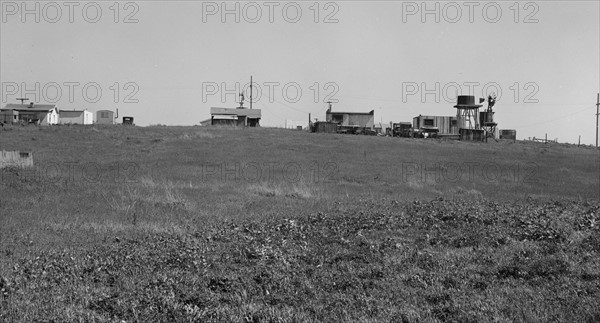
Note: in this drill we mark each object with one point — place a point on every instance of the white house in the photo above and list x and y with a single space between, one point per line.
76 117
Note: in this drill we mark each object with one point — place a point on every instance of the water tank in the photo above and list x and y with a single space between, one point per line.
486 117
508 134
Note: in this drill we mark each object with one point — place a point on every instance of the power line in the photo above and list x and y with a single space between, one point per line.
555 119
287 106
275 114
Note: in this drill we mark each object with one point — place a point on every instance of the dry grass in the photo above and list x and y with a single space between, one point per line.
302 189
351 239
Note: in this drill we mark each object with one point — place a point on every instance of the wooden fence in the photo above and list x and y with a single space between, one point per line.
544 140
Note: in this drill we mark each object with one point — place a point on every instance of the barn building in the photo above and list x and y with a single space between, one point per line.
76 117
105 117
42 114
235 117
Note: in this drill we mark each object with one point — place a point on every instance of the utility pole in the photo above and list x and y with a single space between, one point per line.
597 115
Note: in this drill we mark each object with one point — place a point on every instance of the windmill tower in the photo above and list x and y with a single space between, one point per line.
487 117
241 101
242 97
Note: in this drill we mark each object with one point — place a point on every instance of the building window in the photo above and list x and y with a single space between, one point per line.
453 123
104 115
428 122
337 118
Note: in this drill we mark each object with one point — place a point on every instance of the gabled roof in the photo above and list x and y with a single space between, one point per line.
250 113
27 107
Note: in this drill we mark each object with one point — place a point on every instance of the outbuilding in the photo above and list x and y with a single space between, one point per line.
76 117
235 117
105 117
9 116
442 124
351 119
42 114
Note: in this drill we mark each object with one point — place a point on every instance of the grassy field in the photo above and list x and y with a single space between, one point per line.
184 224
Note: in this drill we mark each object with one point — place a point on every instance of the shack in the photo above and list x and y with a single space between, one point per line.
351 119
9 116
442 124
324 126
42 114
235 117
105 117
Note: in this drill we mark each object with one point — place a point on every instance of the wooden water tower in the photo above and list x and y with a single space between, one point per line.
467 112
467 115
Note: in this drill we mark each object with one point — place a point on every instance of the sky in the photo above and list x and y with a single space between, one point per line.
168 62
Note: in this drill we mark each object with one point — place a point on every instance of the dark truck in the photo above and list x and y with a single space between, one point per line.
401 129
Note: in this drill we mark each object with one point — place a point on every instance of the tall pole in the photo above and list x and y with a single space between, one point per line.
597 115
251 92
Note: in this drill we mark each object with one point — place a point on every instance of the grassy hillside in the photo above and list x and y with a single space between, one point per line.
211 224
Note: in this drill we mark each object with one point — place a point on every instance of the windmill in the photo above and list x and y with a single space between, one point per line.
241 100
487 117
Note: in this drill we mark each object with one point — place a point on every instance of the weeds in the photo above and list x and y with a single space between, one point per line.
334 266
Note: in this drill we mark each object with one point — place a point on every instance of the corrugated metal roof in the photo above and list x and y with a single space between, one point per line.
27 107
251 113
